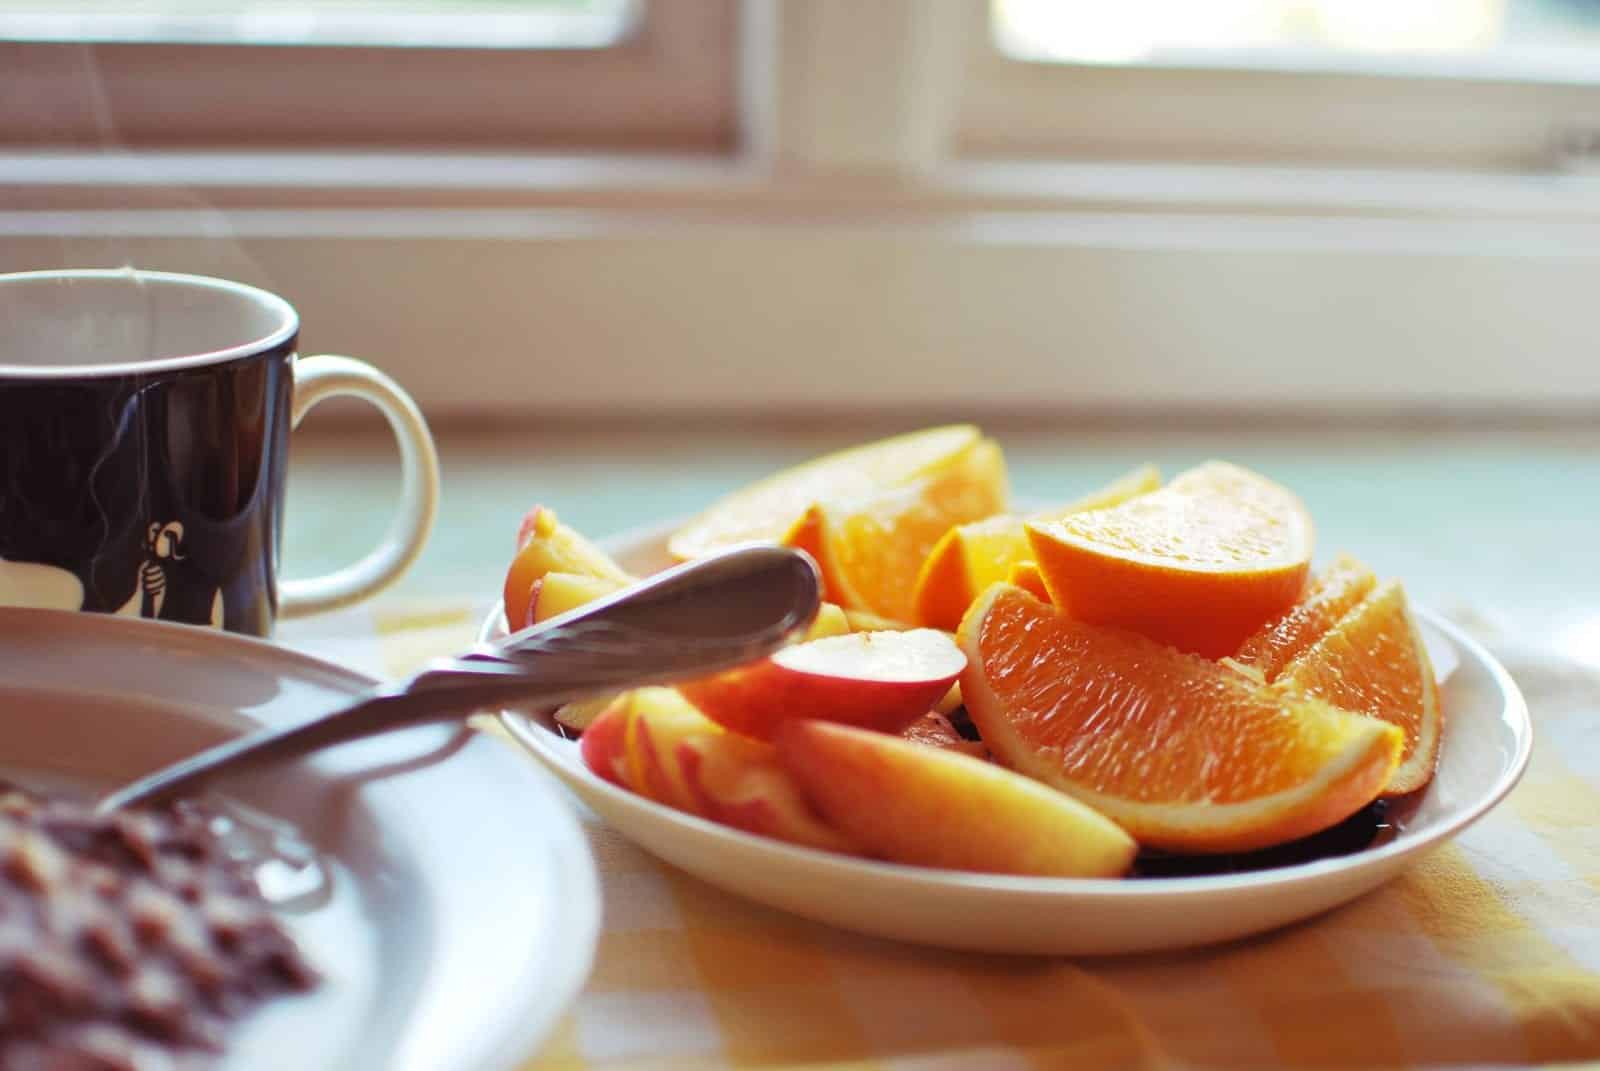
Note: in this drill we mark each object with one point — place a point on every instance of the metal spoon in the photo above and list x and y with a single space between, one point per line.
698 618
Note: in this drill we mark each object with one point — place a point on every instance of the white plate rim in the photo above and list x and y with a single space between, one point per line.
557 979
1165 889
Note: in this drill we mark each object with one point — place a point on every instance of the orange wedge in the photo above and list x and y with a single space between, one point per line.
870 549
1374 662
1200 564
968 558
1026 576
767 509
1334 592
1183 753
972 556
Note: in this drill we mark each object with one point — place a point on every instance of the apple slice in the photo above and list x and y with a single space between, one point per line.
934 729
740 783
661 719
653 742
554 594
877 680
579 714
909 803
603 745
545 545
830 621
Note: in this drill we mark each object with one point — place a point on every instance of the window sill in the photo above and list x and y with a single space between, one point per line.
739 186
577 284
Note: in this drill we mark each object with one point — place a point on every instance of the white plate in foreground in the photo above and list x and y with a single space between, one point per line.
1484 751
462 911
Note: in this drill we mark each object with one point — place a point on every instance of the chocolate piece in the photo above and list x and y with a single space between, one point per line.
128 940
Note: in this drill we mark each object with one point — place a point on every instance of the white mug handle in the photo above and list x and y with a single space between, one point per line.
328 376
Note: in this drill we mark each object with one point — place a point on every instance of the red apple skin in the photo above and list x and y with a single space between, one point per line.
739 783
527 614
661 720
530 520
603 745
756 700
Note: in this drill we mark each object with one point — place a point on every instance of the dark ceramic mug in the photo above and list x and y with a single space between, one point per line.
144 429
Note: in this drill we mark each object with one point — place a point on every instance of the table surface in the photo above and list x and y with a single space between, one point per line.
1485 954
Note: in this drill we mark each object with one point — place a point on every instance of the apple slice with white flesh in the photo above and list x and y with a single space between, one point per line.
581 713
874 680
545 545
929 806
651 741
554 594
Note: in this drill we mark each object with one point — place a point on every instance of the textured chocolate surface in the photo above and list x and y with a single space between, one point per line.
128 941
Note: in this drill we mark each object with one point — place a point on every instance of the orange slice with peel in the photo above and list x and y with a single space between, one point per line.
870 549
764 511
970 557
1200 564
967 559
1026 576
1374 662
1183 753
1334 592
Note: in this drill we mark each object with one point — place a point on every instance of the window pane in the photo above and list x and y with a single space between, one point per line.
413 23
1540 38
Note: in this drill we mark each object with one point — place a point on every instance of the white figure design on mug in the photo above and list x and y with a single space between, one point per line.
165 543
162 579
33 584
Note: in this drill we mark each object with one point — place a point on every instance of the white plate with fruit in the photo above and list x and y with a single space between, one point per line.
1139 720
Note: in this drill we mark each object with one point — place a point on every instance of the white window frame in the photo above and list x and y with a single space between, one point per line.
845 255
1441 113
669 85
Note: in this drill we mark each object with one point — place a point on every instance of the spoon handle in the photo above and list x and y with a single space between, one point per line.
698 618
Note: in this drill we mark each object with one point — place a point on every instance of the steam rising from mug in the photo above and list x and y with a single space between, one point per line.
60 92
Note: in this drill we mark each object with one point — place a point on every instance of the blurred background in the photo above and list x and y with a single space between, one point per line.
597 206
629 253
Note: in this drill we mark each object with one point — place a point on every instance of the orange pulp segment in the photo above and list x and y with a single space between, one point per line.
1374 662
1334 592
1183 753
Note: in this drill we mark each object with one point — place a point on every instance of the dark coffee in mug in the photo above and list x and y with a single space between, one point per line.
144 428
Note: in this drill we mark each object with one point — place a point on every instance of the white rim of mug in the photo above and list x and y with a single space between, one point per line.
289 325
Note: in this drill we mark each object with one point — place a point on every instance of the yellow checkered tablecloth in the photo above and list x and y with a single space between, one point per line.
1487 954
